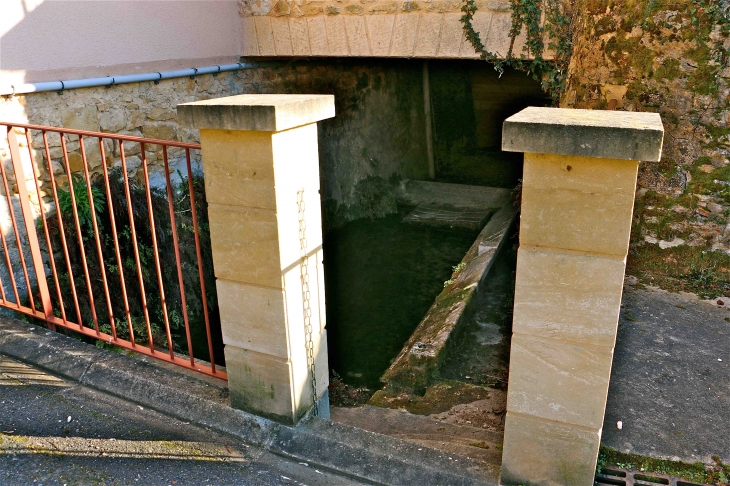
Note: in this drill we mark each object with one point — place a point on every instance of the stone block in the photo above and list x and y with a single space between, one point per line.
265 36
251 317
249 42
159 131
269 113
282 36
404 35
81 118
577 203
558 381
452 34
297 169
245 245
427 39
357 36
380 28
336 35
317 36
547 453
261 384
589 133
498 39
568 296
113 120
239 168
300 37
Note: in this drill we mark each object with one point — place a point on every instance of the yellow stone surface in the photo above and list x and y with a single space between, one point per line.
547 453
558 381
239 169
245 245
264 208
260 383
378 28
577 203
568 296
252 317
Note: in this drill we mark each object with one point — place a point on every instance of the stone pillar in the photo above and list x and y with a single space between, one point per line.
261 165
577 203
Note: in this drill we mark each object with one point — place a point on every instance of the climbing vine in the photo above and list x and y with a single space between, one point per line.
527 14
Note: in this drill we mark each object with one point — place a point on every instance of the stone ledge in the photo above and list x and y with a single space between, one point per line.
260 112
422 355
588 133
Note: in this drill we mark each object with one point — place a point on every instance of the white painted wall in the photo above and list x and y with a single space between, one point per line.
48 40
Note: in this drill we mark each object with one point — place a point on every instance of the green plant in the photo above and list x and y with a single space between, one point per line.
527 14
83 206
458 268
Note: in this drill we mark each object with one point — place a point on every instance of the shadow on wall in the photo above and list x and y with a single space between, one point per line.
470 102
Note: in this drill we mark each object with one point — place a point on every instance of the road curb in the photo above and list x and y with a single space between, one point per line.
347 450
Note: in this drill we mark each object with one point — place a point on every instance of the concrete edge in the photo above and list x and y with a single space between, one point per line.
353 452
426 349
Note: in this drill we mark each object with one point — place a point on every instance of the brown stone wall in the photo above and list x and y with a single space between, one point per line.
377 136
670 59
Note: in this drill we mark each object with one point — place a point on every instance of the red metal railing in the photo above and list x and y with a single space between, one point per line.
92 262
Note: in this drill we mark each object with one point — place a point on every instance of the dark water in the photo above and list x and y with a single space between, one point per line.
482 356
381 277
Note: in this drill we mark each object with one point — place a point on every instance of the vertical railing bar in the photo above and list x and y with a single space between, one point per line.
134 245
95 225
176 244
36 176
199 253
18 242
155 251
72 193
61 229
163 299
117 252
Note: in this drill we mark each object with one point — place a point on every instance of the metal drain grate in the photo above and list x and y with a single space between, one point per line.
623 477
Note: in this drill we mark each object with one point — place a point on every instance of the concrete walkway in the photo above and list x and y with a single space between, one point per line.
670 384
53 432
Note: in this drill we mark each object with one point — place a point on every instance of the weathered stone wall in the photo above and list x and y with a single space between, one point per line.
377 137
377 28
670 59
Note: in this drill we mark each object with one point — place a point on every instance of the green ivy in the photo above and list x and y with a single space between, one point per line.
527 14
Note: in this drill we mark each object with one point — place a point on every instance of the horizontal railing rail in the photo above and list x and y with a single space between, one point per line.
99 251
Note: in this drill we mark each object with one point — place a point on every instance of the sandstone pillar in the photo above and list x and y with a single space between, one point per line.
261 164
577 202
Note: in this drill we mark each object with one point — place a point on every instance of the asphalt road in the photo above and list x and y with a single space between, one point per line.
670 384
56 433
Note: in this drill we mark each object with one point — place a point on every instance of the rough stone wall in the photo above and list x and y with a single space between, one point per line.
377 137
670 58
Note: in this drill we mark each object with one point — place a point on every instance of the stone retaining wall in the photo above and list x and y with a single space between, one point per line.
378 133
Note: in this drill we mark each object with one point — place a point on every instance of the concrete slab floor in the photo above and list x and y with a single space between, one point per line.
53 432
670 383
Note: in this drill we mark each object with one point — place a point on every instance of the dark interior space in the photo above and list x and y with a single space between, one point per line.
470 100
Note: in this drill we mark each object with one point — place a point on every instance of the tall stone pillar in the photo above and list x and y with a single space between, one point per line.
261 165
577 203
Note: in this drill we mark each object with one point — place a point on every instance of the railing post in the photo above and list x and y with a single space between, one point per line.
261 164
31 234
577 202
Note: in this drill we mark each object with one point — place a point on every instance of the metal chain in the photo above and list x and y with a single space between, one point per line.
306 296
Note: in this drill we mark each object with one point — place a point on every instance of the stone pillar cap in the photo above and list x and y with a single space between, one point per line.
261 112
588 133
